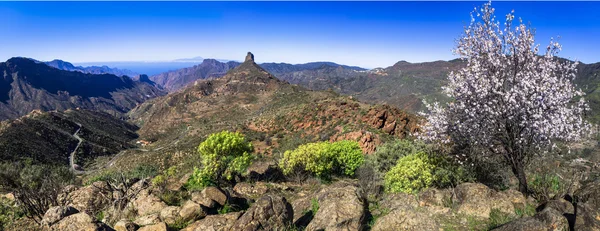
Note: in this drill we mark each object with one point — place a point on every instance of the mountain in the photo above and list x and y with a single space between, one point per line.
27 85
275 115
48 137
209 68
146 67
63 65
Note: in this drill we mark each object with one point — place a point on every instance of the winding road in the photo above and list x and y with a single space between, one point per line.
72 156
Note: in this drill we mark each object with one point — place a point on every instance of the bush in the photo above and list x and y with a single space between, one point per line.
411 174
349 156
418 171
224 156
9 212
35 187
387 155
323 158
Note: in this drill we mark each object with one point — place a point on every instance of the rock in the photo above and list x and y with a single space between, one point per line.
91 198
249 57
548 219
560 205
264 171
125 225
170 214
302 211
156 227
147 203
8 196
589 194
342 206
56 213
191 211
147 220
404 213
210 197
587 218
268 213
478 200
435 197
222 222
76 222
250 190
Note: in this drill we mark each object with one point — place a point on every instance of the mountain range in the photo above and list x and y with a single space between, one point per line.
63 65
28 85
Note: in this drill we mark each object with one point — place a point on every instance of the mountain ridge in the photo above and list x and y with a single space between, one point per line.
28 85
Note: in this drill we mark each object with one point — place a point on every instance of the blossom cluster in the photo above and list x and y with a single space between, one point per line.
508 98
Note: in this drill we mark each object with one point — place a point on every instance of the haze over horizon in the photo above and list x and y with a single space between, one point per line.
366 34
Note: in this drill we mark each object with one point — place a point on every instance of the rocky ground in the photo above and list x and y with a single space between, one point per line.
265 202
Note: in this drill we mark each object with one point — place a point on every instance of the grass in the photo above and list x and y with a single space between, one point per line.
314 205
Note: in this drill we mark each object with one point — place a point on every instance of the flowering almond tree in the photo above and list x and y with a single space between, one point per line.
508 101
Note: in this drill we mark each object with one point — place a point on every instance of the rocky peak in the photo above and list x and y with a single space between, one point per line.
249 57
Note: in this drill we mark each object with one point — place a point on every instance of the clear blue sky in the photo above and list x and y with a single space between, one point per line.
368 34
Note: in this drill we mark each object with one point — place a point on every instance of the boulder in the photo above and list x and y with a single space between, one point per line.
170 214
590 194
404 214
478 200
548 219
435 197
147 220
91 198
342 206
77 222
56 213
587 218
125 225
146 203
268 213
191 211
156 227
250 190
210 197
264 171
302 211
560 205
222 222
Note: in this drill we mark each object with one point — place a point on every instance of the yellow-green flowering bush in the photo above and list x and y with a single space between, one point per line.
323 158
224 155
349 156
411 174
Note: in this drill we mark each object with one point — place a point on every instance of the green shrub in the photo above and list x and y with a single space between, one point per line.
224 155
349 155
420 170
159 181
387 155
9 212
411 174
545 186
323 158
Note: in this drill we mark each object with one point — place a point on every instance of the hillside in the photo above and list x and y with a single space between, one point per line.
47 137
66 66
28 85
275 114
211 68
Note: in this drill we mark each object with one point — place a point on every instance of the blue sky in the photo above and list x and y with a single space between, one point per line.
368 34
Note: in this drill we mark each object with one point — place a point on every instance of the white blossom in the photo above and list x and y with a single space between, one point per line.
508 99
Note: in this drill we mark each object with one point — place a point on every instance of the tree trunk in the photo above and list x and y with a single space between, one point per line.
519 172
